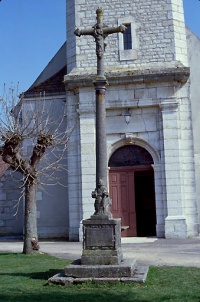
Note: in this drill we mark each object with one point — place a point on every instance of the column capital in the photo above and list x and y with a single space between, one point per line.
100 82
168 106
85 112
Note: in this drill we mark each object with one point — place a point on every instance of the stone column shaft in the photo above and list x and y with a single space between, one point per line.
101 143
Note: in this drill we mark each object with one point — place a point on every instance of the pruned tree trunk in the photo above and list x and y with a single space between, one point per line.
28 168
37 124
30 221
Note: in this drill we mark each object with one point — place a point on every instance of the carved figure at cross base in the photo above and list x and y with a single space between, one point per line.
100 31
102 200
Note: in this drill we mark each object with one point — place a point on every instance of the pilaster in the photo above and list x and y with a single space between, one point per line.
175 222
160 215
74 168
88 165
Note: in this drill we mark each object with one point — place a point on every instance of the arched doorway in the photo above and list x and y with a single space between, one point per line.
131 181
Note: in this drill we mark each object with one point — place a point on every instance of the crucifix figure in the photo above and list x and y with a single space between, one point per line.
100 31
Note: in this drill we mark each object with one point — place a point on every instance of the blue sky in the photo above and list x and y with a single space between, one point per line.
32 31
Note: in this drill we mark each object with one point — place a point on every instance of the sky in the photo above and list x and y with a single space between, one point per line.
32 31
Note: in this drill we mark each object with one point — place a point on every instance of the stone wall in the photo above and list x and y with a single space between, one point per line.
11 206
160 122
194 60
52 202
158 32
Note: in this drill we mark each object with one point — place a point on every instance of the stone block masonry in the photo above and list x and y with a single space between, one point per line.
159 31
11 209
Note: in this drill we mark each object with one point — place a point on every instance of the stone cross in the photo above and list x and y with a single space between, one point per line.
100 31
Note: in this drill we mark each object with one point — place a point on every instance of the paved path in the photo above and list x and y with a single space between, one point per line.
147 251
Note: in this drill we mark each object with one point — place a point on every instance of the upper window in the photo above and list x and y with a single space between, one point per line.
128 41
127 37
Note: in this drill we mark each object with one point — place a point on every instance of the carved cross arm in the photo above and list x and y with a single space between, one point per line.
84 32
111 30
106 30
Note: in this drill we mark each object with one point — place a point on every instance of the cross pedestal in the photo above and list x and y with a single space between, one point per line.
101 241
101 233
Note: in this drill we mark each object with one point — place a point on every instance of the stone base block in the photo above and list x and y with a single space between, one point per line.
76 270
101 257
193 229
101 241
175 227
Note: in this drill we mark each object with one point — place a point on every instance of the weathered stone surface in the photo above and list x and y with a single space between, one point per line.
139 275
101 241
134 76
105 280
60 279
104 259
76 270
81 280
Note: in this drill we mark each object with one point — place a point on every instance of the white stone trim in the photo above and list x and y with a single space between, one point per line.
160 213
130 139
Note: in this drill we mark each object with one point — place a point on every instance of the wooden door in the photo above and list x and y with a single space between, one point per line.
133 199
122 193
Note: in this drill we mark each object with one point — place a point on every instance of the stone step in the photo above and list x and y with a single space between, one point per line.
139 276
124 269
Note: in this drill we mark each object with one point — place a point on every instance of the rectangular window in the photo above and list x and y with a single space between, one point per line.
127 37
128 42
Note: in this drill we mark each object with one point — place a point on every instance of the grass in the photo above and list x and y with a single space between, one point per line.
24 278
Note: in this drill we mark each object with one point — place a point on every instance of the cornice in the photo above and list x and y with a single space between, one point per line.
178 74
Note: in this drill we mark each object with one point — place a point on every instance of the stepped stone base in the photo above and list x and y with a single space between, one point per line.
102 259
75 273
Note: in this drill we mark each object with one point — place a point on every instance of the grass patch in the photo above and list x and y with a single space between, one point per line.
24 278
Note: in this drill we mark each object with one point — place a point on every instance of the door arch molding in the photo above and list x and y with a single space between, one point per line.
129 139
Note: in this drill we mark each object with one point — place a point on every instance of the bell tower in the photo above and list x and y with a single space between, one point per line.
147 70
156 33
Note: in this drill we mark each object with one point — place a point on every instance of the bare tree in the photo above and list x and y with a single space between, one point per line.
28 128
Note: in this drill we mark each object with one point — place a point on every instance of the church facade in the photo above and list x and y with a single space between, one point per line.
152 126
